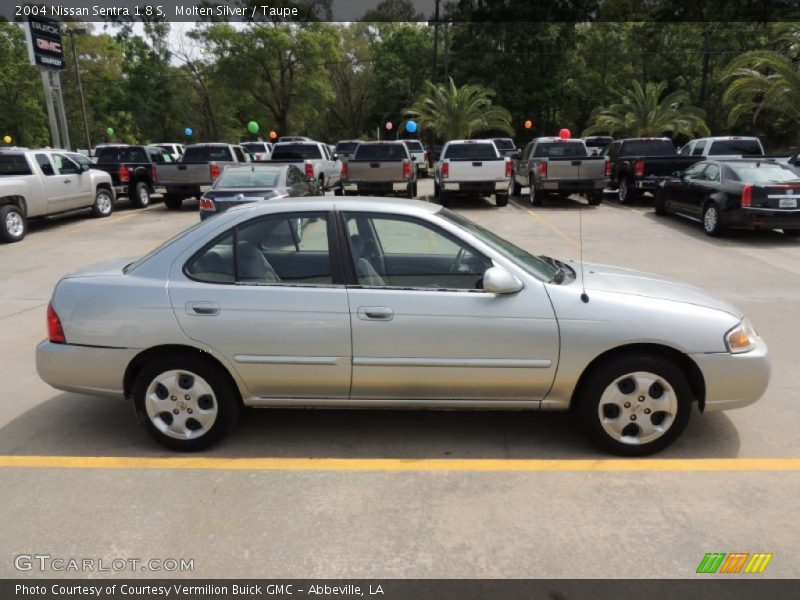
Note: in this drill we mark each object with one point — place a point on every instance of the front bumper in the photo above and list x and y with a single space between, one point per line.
734 380
84 369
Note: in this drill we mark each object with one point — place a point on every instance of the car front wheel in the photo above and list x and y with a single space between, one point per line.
635 405
103 203
185 403
13 225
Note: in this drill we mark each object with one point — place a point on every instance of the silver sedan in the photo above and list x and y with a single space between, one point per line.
364 302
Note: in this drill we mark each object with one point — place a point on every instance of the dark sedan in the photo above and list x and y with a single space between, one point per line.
252 183
734 193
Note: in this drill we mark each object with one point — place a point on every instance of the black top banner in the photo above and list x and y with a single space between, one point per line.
424 11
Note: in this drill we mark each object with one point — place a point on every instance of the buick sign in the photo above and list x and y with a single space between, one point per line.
45 45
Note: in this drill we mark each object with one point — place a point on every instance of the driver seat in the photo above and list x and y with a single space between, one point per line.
366 273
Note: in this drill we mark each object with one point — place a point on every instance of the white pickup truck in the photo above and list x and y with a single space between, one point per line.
472 167
314 159
37 183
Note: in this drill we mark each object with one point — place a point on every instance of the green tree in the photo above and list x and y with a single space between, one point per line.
454 112
644 110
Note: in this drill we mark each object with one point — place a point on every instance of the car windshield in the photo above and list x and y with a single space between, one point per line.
414 146
248 178
504 144
534 265
380 152
294 151
722 147
763 173
347 147
648 148
558 149
470 151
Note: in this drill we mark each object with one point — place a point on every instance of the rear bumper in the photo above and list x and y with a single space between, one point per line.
646 184
574 186
83 369
186 189
477 187
763 218
350 185
734 380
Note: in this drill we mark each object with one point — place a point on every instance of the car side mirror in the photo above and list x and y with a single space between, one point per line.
84 167
677 175
499 281
335 157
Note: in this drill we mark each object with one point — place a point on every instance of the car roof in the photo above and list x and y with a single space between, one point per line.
327 203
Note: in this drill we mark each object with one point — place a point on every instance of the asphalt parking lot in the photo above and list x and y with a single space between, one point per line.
382 503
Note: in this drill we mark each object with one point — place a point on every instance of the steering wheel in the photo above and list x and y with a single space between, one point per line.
457 262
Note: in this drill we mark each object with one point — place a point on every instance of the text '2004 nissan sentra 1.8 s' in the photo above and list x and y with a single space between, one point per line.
364 302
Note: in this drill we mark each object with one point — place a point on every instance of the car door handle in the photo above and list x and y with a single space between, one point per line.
66 181
205 309
375 313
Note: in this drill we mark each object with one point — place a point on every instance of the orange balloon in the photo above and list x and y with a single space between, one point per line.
528 124
273 135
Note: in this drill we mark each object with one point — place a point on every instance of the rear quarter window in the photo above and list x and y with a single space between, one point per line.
13 164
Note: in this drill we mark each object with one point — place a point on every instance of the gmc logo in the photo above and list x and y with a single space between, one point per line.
47 45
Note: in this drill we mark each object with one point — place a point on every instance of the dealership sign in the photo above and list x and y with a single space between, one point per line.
44 43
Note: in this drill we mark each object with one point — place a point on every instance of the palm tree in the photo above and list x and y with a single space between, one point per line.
642 112
454 112
765 80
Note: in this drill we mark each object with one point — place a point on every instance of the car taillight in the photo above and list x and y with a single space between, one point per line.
608 168
638 168
406 169
509 170
309 170
543 169
207 204
124 174
154 174
54 330
445 170
747 195
213 171
344 170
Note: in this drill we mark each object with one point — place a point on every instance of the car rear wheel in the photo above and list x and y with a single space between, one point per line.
141 195
659 204
444 197
712 220
516 189
501 200
626 192
173 202
103 203
595 199
536 196
185 403
635 405
13 225
413 190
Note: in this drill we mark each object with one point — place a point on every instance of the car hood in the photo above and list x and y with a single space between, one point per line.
106 268
604 278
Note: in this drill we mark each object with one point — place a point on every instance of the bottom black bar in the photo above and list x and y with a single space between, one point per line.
729 588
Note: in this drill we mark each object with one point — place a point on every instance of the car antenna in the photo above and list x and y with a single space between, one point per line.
584 295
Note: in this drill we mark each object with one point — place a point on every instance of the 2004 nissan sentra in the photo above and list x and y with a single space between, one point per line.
363 302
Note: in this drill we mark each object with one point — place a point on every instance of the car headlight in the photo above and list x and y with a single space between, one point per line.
741 338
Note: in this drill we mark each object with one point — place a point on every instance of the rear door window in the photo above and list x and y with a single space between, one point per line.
698 148
379 152
45 165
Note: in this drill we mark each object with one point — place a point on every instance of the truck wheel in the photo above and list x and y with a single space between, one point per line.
414 190
103 203
410 191
626 192
658 203
13 225
536 197
516 189
173 202
141 195
436 190
501 200
444 198
595 199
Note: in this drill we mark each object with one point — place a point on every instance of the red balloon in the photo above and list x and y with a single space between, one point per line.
564 134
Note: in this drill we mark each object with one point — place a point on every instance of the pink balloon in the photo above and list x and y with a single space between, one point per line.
389 125
564 134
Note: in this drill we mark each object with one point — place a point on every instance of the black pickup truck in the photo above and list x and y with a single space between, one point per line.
133 170
638 164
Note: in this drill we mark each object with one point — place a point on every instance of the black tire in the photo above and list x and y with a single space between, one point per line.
338 190
712 220
141 195
444 198
414 190
516 189
791 232
536 196
659 204
605 374
227 401
436 190
13 224
595 199
173 202
501 200
410 191
103 203
626 192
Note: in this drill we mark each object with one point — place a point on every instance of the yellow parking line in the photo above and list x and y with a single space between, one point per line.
550 225
401 464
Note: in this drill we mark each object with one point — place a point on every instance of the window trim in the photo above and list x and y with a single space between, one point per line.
337 275
349 263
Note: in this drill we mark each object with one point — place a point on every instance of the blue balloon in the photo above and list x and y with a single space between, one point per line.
411 126
188 131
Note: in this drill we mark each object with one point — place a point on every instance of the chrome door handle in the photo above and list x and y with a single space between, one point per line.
205 309
375 313
67 181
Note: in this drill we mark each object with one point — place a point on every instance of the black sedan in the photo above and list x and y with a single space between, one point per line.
734 193
252 183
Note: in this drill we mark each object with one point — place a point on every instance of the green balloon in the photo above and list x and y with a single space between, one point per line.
252 127
110 131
